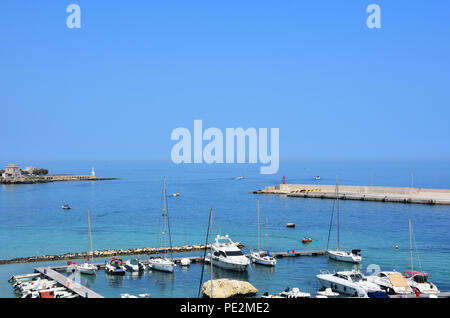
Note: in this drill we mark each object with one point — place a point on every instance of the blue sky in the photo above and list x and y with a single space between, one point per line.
117 87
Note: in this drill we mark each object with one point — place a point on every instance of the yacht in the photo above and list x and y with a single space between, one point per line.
419 280
134 265
351 283
225 254
393 283
162 263
338 255
261 257
115 266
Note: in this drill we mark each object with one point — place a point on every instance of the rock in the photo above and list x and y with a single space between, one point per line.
226 288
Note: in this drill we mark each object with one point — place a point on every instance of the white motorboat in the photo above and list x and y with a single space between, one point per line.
260 257
134 265
338 255
225 254
294 293
351 283
176 194
393 283
185 262
23 278
115 266
87 267
326 292
162 263
65 207
418 281
126 295
317 177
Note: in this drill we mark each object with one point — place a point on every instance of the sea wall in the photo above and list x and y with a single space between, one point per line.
106 253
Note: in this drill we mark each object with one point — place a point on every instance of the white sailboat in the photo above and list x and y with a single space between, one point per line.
87 267
339 255
418 281
163 263
261 257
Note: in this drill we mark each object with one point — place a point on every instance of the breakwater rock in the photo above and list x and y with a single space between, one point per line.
107 253
226 288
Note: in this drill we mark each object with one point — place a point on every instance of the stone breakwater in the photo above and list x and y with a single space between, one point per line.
106 253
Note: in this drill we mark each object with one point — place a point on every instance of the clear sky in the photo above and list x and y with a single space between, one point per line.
117 87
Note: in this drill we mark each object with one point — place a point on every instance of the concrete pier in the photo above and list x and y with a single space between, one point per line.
362 193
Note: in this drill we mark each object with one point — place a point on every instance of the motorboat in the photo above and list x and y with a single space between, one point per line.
351 283
87 268
290 224
185 262
23 278
351 257
419 280
115 266
267 295
176 194
65 207
239 178
126 295
225 254
326 292
260 257
339 255
393 283
317 177
161 264
134 265
294 293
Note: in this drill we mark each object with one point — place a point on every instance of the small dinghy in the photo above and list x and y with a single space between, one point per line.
290 224
306 240
176 194
294 293
326 292
134 265
65 207
317 177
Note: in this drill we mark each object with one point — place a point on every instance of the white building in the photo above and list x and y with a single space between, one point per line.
12 172
30 169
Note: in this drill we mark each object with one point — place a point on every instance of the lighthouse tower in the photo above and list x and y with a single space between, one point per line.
93 173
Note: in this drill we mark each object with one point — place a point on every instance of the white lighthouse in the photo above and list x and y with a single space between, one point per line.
93 173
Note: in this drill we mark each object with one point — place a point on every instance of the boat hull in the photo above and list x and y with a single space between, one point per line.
168 268
344 257
230 266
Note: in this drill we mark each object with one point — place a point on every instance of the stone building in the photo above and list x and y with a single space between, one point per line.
12 172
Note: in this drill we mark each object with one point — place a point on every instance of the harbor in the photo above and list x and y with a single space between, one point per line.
362 193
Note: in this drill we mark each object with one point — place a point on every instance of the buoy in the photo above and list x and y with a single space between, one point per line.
396 247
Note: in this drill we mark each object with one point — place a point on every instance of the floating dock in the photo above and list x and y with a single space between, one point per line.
362 193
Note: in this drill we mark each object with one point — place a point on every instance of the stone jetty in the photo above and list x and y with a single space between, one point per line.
106 253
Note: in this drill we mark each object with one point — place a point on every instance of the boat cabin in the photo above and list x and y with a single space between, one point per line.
418 277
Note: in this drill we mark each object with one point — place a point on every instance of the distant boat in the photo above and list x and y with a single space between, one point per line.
176 194
306 240
317 177
290 224
239 178
66 207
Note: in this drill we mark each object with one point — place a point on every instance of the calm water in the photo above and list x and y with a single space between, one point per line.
126 214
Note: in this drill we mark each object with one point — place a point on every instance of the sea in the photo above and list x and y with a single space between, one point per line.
126 213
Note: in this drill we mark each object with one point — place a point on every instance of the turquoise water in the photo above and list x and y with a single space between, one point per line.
125 214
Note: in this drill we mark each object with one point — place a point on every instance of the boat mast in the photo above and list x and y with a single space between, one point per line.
337 211
411 249
211 254
267 234
259 248
89 239
164 216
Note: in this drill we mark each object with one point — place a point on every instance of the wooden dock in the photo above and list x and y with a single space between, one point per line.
71 285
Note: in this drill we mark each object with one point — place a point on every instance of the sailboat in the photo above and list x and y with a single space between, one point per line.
415 279
163 263
261 257
87 267
338 255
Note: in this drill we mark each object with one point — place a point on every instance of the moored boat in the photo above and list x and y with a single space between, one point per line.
225 254
115 266
134 265
352 283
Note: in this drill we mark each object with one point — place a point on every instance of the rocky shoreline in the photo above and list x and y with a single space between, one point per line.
105 253
32 181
